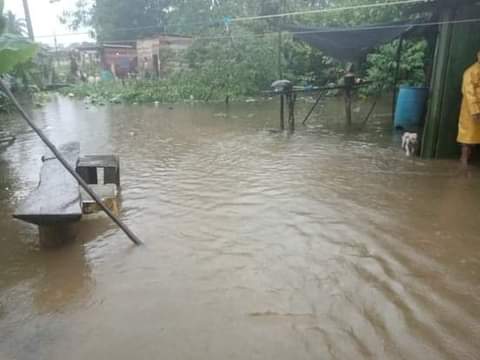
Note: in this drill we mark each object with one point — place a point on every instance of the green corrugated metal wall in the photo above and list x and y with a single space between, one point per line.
457 46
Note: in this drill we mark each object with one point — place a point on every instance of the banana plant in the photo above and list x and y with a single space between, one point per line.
14 49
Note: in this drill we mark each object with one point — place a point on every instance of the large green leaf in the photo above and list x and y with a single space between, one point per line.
14 50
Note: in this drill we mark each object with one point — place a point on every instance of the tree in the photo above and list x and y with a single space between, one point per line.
242 57
15 25
28 19
119 19
381 66
14 49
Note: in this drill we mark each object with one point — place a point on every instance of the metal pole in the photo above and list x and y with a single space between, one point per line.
370 112
312 109
398 59
28 20
67 166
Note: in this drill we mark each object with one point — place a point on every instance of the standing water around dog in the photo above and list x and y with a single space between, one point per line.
321 244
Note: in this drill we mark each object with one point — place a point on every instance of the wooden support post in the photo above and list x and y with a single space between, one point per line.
349 81
282 112
291 97
348 106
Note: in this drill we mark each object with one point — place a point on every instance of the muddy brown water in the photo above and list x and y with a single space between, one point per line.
322 244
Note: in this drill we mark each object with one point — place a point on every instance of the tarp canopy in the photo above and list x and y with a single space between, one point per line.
350 44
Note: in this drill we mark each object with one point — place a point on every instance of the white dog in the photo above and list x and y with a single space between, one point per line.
410 143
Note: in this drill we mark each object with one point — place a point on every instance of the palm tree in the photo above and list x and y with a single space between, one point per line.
15 25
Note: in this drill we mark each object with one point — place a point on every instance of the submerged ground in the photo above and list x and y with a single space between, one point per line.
322 244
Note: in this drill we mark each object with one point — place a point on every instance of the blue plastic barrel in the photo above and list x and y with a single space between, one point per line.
410 108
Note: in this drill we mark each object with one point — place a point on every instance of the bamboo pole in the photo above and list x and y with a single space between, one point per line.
67 166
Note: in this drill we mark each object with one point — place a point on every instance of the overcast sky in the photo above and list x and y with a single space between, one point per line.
45 19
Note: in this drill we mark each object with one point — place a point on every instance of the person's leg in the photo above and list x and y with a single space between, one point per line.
466 154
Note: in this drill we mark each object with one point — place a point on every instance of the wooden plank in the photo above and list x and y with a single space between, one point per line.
57 197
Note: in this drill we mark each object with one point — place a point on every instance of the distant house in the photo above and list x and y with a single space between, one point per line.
161 54
153 57
88 57
121 59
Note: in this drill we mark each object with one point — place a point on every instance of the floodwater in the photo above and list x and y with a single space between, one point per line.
322 244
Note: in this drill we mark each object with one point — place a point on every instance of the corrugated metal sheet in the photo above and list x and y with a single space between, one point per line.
457 46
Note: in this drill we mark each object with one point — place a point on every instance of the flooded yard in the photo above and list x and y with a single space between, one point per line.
321 244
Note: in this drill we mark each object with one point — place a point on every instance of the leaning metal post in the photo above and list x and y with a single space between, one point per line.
67 166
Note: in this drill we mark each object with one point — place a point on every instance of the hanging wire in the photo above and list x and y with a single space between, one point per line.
324 31
261 17
329 10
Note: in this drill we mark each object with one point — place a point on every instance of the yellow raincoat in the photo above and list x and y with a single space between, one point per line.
469 129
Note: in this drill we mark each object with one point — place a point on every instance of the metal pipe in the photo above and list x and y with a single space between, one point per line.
370 112
312 109
67 166
28 20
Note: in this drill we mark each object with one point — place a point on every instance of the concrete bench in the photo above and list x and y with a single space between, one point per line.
57 197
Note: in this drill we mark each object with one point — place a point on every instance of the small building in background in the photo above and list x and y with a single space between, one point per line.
161 55
88 58
120 59
154 57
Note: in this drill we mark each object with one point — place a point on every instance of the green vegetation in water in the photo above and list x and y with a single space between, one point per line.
241 59
173 90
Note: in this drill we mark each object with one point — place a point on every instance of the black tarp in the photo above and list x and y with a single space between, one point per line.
350 44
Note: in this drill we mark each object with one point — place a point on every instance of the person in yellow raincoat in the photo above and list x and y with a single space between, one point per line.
469 123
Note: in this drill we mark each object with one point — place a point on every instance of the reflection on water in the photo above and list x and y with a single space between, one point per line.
322 244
